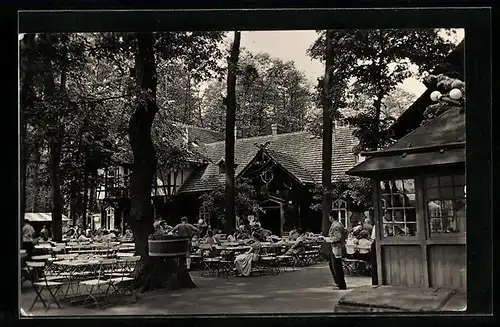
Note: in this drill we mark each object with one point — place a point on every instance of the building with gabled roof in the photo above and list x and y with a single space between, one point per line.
293 164
284 169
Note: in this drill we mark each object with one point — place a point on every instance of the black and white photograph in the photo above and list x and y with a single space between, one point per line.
242 172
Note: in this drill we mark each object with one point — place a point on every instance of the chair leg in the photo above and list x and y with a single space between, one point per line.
38 292
53 297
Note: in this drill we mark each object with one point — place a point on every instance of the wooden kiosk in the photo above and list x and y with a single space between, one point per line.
420 220
419 199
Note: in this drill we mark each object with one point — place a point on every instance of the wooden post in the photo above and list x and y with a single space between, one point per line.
299 223
282 219
422 228
123 223
379 226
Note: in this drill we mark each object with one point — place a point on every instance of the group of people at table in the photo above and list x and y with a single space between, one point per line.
357 243
251 237
30 238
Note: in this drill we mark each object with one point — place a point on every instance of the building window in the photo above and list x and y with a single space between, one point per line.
222 168
398 208
445 201
340 208
110 218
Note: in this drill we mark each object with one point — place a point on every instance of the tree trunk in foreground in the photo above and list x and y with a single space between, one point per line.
26 97
55 135
230 122
151 273
36 172
327 137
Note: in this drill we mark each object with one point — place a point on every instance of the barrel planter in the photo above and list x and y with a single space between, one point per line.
167 246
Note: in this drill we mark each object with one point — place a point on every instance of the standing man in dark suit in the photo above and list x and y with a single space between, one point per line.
337 234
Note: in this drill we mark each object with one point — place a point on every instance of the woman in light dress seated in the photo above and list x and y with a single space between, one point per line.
243 262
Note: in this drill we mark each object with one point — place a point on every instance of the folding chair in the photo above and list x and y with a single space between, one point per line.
268 263
40 283
351 266
122 280
99 286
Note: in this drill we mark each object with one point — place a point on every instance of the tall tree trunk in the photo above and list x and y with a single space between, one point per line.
151 273
85 196
55 184
327 136
73 201
55 136
230 123
36 172
26 101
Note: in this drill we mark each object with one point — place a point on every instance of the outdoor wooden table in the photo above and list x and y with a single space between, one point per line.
41 257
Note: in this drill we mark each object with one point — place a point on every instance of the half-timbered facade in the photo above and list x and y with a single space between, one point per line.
113 191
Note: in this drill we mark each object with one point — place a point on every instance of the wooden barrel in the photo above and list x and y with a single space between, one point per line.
167 246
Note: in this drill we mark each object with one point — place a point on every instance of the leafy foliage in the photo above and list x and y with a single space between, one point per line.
268 91
245 199
376 62
354 190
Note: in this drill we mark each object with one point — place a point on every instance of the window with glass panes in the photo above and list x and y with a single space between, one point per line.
398 199
445 202
340 208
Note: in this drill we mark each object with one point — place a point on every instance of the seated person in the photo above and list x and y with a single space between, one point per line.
293 234
242 235
364 246
129 236
266 232
210 240
243 262
368 226
83 238
218 235
309 234
44 233
350 246
195 241
202 227
232 237
357 229
297 245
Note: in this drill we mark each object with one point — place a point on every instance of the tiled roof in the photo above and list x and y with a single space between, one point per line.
300 153
449 127
199 135
202 135
444 131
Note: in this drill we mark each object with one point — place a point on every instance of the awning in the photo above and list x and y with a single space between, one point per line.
439 142
41 217
376 165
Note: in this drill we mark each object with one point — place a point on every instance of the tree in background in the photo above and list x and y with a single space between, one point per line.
245 202
268 91
79 93
377 61
231 104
